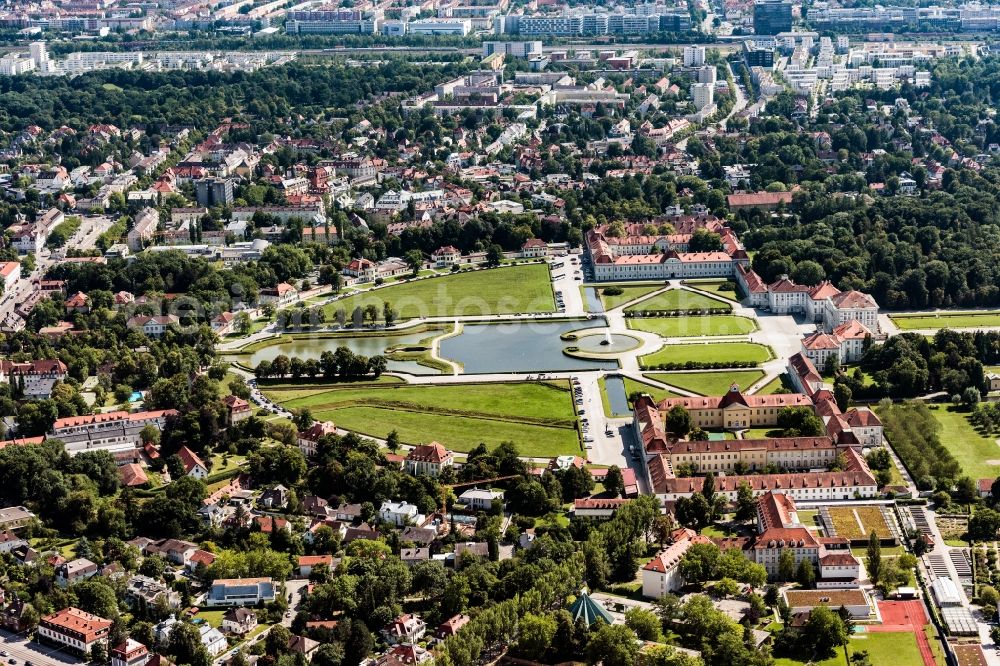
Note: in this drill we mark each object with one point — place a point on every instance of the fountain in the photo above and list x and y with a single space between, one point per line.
607 338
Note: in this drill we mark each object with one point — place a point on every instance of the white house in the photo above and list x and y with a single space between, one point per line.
75 629
480 499
10 272
661 574
239 621
400 514
213 639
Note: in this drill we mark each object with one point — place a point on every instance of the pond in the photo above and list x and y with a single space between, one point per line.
593 299
312 347
526 346
614 386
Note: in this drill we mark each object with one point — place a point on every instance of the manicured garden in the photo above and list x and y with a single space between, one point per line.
629 293
779 383
979 456
678 300
538 417
699 355
709 383
525 288
689 327
947 320
721 288
856 523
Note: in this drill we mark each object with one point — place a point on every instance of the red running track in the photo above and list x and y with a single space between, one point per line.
905 616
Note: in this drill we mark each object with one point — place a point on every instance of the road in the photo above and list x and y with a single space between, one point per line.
24 651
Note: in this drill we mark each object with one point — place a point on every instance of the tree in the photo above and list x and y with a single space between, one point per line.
414 259
824 631
612 645
746 506
535 634
392 441
843 395
805 574
698 564
494 256
614 482
98 653
873 560
786 566
678 421
645 623
983 525
808 272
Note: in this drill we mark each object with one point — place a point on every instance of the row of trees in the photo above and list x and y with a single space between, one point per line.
342 363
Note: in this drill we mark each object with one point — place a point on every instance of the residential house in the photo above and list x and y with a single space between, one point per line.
75 571
274 498
213 639
446 256
303 645
406 628
451 626
479 549
10 273
308 439
279 295
14 517
239 620
481 499
149 590
412 556
193 465
237 409
308 562
9 541
14 618
174 550
130 653
400 514
428 459
153 326
534 248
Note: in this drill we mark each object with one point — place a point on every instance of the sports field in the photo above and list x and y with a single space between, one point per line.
538 417
689 327
524 288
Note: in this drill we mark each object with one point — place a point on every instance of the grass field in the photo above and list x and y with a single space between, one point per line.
656 393
712 352
972 450
775 385
678 299
709 383
686 327
523 288
884 649
715 288
629 293
538 417
947 320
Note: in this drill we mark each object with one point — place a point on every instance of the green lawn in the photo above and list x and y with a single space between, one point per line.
687 327
213 617
761 433
524 288
776 384
715 288
970 449
712 352
884 649
538 417
709 383
678 299
956 320
629 293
